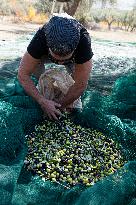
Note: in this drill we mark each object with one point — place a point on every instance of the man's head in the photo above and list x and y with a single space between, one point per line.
62 35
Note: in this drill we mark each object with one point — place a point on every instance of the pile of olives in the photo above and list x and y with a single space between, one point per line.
69 154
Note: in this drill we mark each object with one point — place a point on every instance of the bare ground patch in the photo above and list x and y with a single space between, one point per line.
118 36
12 31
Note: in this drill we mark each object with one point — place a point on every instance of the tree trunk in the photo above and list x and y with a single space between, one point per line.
71 7
125 28
132 29
128 27
122 25
109 25
118 24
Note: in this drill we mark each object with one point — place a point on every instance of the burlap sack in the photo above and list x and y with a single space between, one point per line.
54 84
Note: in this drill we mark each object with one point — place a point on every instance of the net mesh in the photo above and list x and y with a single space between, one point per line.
113 114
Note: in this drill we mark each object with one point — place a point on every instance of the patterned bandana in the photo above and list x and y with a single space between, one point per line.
62 34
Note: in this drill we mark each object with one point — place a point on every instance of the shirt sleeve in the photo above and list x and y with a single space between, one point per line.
84 51
38 46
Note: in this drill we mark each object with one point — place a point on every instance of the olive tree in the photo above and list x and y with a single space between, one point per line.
83 12
131 21
70 6
97 15
127 20
43 6
5 8
109 16
104 3
15 7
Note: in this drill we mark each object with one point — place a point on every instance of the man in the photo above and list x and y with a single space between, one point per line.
63 40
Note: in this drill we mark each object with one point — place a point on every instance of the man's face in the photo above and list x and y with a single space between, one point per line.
60 59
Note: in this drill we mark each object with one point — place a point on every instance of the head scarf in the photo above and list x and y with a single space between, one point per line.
62 34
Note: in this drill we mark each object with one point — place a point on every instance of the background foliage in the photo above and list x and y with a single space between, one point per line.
39 11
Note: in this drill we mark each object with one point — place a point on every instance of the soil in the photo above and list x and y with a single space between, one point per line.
12 31
118 36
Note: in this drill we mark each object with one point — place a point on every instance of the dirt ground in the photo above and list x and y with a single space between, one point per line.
118 36
9 31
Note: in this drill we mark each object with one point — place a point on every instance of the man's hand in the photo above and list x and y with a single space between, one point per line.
28 66
50 108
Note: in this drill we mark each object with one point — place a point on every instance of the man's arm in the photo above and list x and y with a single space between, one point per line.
80 76
27 67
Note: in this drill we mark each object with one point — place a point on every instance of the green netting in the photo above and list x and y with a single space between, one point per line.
113 114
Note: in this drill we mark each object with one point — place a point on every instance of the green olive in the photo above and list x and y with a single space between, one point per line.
65 152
